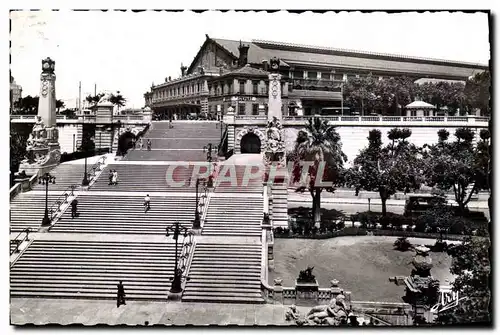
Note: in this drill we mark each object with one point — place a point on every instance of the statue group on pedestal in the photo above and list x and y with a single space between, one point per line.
275 148
334 314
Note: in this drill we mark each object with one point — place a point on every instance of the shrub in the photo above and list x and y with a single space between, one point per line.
439 246
385 221
402 244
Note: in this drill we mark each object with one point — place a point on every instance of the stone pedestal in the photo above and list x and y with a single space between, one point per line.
278 291
307 293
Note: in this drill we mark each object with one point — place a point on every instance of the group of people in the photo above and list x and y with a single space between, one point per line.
113 177
140 143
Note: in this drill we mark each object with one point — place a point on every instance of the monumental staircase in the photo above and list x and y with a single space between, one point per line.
225 272
113 239
92 269
27 210
234 216
124 214
183 142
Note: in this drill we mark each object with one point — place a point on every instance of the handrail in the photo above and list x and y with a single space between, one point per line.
19 242
95 168
15 190
187 247
59 202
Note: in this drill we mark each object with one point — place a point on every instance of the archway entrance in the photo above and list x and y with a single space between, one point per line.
250 144
125 141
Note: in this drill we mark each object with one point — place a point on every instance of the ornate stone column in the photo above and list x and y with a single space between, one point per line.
43 150
274 153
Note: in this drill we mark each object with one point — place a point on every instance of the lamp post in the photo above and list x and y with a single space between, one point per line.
46 179
196 222
176 229
208 149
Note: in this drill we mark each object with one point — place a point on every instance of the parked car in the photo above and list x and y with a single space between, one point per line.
416 205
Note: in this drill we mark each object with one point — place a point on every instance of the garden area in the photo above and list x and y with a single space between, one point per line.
362 264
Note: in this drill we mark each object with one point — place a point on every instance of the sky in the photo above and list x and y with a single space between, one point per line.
127 52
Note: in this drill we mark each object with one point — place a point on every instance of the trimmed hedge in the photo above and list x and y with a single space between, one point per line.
280 232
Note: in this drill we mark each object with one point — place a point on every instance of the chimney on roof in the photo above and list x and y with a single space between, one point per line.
169 78
183 70
243 60
265 65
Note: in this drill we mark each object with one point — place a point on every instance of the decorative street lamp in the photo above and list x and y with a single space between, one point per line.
85 181
208 149
196 222
46 179
176 229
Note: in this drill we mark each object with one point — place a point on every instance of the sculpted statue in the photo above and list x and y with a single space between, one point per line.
306 276
274 137
333 314
105 98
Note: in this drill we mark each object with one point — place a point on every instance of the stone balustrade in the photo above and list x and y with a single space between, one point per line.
476 121
124 119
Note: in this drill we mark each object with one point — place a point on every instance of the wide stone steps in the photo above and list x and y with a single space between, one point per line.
196 155
197 129
184 143
92 269
234 216
66 175
27 210
147 178
224 273
114 214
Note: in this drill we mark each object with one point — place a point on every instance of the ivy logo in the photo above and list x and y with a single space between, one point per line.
447 299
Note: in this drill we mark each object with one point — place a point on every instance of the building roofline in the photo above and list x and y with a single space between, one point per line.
358 53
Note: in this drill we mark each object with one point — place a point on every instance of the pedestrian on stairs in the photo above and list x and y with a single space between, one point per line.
114 180
120 298
149 144
170 123
147 202
140 143
74 209
110 177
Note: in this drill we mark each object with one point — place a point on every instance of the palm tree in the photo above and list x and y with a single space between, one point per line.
118 100
319 145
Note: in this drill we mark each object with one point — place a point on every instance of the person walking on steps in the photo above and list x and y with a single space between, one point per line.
147 203
115 178
149 144
110 177
74 208
140 143
120 297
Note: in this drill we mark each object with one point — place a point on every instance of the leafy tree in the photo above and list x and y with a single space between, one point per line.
459 166
386 170
17 149
94 99
359 93
477 92
27 105
318 144
394 92
59 104
117 99
472 265
443 94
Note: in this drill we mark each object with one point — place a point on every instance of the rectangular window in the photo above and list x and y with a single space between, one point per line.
210 89
298 74
229 87
413 113
255 109
263 91
338 76
241 109
426 113
242 86
325 75
255 86
312 74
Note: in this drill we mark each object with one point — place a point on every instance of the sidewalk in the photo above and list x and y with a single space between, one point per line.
93 312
